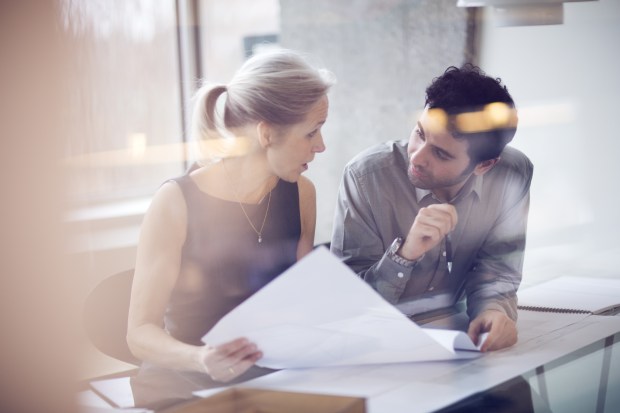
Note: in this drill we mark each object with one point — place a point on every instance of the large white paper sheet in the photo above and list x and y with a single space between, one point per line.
319 313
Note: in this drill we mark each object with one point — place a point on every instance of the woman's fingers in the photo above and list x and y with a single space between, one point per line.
229 360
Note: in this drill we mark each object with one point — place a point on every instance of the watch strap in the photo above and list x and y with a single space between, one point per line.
393 254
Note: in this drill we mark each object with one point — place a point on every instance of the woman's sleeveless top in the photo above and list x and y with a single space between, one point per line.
223 248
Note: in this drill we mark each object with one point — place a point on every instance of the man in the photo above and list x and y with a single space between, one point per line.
440 221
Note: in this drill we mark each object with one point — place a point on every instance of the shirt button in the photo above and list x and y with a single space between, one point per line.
400 275
444 253
431 288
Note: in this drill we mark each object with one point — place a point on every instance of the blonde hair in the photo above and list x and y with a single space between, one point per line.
278 87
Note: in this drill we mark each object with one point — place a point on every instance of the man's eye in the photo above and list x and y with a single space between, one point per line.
441 155
419 134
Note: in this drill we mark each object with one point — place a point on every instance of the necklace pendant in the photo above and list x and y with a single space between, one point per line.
260 238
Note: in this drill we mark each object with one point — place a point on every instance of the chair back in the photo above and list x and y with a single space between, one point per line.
105 316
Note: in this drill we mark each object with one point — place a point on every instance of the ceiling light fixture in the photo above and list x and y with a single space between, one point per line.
522 12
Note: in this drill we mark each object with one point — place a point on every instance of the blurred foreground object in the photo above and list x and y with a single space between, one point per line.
36 309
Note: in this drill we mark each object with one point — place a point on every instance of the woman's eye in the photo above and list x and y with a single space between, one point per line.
311 134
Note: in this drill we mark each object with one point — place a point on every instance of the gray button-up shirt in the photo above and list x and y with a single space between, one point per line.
377 203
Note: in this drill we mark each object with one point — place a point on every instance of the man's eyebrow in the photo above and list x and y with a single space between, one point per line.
421 128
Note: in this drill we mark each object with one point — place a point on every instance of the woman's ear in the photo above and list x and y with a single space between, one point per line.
485 166
265 134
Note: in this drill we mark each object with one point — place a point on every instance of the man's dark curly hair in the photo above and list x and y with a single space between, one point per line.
469 89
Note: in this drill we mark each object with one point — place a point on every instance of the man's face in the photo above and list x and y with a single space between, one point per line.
437 161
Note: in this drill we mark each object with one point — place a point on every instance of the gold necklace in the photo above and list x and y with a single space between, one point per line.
238 199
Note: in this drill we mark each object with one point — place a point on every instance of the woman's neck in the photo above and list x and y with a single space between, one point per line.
249 177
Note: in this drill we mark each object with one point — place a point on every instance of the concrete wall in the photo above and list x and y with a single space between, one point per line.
384 53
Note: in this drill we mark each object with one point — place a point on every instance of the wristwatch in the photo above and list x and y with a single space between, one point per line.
392 253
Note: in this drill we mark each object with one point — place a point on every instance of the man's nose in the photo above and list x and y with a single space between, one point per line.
418 156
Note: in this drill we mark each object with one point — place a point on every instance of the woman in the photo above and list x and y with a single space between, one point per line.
214 236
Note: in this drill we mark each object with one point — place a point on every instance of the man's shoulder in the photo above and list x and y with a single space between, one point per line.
378 157
513 160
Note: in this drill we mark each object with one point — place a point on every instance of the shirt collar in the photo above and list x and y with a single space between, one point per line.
473 185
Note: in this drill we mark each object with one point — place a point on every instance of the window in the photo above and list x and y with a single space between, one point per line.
139 63
136 65
124 113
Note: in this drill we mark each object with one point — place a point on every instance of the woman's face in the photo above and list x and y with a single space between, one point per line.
295 147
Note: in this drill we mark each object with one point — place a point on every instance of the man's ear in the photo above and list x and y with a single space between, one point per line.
485 166
265 134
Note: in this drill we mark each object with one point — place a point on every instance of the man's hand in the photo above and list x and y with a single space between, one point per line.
502 330
430 226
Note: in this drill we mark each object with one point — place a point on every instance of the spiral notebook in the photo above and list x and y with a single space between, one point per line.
566 294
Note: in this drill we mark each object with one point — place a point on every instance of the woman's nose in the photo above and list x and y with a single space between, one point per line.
319 145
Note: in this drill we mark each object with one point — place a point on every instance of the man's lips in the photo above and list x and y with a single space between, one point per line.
416 173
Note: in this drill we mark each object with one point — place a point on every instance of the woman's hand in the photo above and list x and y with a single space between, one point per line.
230 360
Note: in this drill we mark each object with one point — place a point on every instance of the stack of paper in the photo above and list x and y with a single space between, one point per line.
572 295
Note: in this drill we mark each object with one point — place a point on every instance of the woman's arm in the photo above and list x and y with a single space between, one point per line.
307 211
157 269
